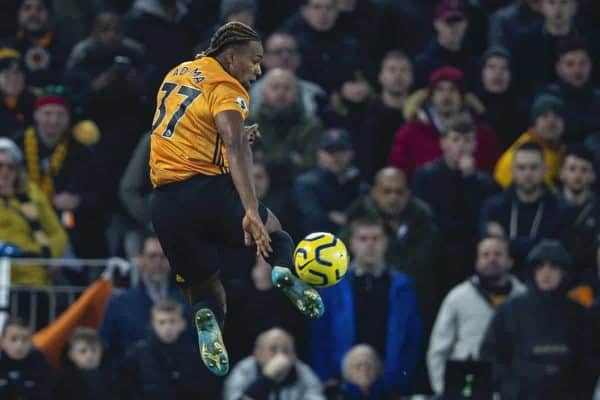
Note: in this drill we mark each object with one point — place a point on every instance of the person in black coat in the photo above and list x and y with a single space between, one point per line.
455 190
24 371
162 366
574 85
83 376
16 98
504 111
535 341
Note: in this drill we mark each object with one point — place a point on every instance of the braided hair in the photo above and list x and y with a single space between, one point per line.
230 34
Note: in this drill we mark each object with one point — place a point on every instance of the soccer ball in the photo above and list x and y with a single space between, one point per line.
321 259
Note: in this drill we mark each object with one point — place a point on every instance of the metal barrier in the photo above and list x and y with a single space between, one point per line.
53 299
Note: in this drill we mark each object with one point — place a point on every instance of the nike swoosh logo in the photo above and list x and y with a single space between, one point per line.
301 266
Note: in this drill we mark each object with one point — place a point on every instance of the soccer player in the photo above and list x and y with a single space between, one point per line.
204 199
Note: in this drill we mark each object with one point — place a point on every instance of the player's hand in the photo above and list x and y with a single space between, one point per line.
252 133
255 232
278 367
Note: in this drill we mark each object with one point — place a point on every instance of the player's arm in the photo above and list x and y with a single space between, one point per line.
230 125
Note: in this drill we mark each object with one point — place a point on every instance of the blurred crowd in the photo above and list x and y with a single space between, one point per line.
452 144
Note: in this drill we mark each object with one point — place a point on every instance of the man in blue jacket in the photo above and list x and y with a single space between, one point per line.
374 305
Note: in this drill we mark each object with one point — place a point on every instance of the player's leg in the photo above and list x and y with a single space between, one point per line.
195 261
302 295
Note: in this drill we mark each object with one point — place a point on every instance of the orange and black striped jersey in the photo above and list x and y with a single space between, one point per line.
185 140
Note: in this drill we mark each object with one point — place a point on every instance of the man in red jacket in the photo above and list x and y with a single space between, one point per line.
428 111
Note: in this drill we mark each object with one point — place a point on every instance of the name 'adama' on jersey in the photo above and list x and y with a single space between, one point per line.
185 140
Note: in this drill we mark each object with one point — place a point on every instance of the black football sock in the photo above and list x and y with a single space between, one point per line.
283 249
208 294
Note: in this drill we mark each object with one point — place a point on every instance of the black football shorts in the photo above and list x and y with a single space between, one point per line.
195 221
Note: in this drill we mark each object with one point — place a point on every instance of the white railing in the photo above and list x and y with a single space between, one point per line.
11 295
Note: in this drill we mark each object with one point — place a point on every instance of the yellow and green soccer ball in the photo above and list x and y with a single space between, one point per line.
321 259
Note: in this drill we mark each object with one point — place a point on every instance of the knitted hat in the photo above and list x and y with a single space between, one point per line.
551 251
54 94
496 51
450 10
8 57
545 103
451 74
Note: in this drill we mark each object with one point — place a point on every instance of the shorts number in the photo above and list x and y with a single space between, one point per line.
190 95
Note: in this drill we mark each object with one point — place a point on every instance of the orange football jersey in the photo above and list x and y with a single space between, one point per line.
185 140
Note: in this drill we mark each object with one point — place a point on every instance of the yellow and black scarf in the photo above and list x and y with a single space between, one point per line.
44 179
23 205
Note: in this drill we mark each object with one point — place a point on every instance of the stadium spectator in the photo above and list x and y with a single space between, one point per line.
75 17
289 136
23 369
274 198
257 307
127 314
384 115
273 371
469 307
504 110
582 100
29 225
527 211
59 159
535 341
580 207
548 130
161 366
44 48
428 112
107 70
455 190
281 51
16 101
165 29
82 375
321 195
513 20
534 51
329 57
374 305
362 375
411 234
243 11
449 47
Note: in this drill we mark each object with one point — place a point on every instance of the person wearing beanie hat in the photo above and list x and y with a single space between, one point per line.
547 130
64 168
574 85
449 45
429 112
16 99
511 20
28 224
580 206
503 109
535 342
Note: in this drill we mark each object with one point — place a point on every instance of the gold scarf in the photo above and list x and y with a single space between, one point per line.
32 155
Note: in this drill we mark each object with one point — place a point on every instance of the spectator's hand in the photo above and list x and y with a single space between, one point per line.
252 133
337 217
66 201
495 229
466 164
105 78
278 367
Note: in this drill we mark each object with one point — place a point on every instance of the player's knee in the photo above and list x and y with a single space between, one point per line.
273 224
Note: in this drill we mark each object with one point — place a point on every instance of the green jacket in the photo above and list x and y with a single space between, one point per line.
285 132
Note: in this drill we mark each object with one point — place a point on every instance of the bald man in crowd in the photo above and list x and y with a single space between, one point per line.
273 370
410 230
289 134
